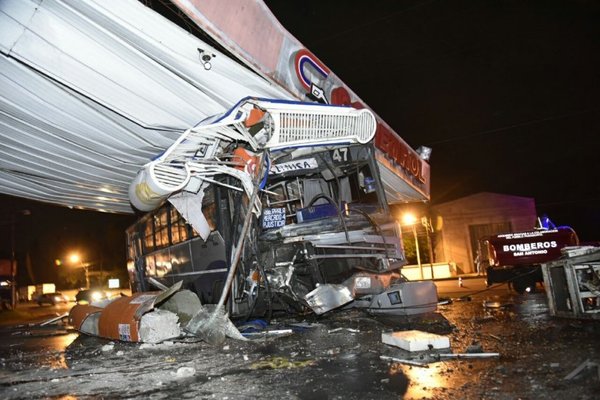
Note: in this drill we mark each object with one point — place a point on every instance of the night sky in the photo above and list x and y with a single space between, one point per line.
506 93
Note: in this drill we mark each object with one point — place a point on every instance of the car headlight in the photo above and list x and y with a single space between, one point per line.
96 296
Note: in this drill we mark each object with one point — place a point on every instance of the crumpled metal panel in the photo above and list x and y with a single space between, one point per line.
94 89
328 296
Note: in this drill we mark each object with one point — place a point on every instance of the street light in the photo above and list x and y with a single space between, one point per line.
410 219
75 258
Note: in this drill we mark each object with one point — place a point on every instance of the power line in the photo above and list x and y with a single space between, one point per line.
513 126
366 24
564 202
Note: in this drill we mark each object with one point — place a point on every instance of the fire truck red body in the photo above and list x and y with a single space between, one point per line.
516 257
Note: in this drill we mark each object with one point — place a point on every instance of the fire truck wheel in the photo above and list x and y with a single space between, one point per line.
524 285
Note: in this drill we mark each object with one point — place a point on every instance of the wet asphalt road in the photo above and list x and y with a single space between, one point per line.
320 361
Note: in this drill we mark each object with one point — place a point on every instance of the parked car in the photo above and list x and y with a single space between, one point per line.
90 295
51 298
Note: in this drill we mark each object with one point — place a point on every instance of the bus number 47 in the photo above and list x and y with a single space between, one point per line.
340 155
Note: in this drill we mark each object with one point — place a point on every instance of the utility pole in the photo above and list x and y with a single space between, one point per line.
13 263
428 228
414 229
87 275
13 256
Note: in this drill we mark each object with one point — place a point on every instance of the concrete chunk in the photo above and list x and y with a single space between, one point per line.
159 325
415 340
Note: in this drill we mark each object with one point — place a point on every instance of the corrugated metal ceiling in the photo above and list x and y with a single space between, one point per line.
90 90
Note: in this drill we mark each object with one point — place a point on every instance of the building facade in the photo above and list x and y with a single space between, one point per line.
462 222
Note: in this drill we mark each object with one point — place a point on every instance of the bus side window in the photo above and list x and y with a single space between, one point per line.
161 228
150 266
179 232
148 235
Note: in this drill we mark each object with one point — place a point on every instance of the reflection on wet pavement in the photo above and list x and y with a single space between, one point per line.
43 347
533 308
60 345
422 380
338 357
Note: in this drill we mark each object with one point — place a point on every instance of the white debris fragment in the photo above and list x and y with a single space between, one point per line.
226 348
185 372
271 332
246 357
415 340
55 380
108 347
120 353
159 325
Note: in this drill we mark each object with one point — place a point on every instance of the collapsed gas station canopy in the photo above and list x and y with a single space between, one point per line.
94 89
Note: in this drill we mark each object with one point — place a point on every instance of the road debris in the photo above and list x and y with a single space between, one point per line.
305 325
498 338
496 304
467 355
405 361
212 324
415 340
587 364
351 330
108 347
474 348
463 298
158 326
272 332
55 319
149 317
444 301
326 297
281 363
255 325
184 372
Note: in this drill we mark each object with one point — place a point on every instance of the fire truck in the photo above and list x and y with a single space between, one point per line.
516 257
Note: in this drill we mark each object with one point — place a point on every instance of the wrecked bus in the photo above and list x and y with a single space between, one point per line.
320 235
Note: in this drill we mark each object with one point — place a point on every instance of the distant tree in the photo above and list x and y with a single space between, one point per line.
70 277
410 250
